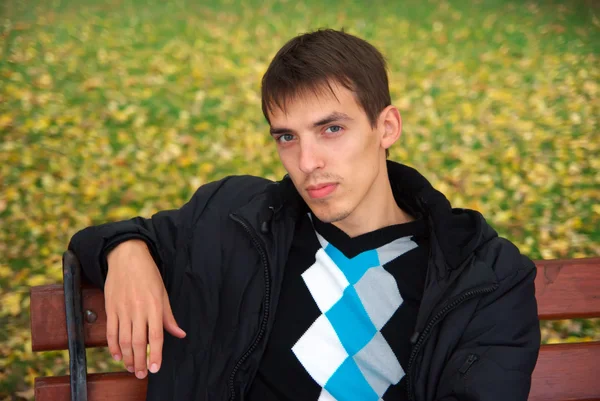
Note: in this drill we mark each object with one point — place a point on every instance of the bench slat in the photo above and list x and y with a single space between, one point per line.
566 372
567 289
564 289
563 372
49 322
119 386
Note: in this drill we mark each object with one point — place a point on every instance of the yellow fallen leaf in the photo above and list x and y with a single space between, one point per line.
11 303
122 212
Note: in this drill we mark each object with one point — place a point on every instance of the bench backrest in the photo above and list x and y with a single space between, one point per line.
564 289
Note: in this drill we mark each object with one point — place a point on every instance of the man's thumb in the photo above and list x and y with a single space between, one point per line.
169 321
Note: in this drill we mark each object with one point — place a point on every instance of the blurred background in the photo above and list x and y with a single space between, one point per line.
117 108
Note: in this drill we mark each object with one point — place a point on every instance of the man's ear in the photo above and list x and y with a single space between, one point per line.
390 123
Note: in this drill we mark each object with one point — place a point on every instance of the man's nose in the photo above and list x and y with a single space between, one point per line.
310 157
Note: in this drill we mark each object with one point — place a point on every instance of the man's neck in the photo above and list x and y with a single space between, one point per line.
377 210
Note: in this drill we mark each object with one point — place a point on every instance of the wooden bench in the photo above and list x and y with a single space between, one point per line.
71 316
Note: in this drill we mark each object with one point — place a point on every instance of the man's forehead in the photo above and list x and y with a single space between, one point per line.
310 106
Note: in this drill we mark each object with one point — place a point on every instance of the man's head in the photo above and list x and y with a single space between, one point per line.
326 98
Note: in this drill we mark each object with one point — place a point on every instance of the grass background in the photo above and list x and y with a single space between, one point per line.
110 109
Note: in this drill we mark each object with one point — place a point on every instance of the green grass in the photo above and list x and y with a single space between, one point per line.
110 109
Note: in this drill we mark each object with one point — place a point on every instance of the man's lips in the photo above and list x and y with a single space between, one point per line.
321 190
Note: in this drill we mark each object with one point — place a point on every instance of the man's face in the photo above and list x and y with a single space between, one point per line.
330 151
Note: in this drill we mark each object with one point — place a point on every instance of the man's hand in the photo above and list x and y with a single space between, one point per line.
137 308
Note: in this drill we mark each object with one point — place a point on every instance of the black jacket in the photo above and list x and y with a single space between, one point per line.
222 257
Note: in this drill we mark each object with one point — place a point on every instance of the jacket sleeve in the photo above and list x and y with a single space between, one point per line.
160 232
498 351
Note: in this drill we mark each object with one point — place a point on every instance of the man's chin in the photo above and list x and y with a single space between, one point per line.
327 215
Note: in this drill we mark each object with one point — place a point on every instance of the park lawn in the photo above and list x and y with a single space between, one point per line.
120 108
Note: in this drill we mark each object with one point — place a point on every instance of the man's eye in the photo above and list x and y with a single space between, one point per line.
333 129
285 138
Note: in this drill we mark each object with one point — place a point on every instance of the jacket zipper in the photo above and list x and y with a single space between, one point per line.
427 331
265 317
466 366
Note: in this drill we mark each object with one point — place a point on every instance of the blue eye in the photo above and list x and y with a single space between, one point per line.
333 129
285 138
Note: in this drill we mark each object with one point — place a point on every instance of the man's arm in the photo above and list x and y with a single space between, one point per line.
132 261
160 232
499 348
93 244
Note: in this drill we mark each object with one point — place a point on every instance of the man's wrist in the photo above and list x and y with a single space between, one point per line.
127 246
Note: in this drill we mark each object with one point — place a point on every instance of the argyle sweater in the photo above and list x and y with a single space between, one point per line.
347 310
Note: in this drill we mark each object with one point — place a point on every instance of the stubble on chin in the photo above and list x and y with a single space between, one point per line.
325 214
336 217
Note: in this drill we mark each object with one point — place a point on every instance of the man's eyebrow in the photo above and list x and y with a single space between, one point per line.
335 116
280 131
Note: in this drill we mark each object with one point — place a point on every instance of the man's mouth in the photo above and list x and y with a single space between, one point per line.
321 190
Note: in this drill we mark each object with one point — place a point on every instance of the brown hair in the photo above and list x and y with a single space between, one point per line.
310 62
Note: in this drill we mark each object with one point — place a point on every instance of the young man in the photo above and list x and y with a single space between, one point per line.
350 279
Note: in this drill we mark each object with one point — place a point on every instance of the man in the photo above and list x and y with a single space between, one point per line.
350 279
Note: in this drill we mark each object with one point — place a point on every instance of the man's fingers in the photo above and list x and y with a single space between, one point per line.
125 342
155 338
169 320
140 345
112 335
136 294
